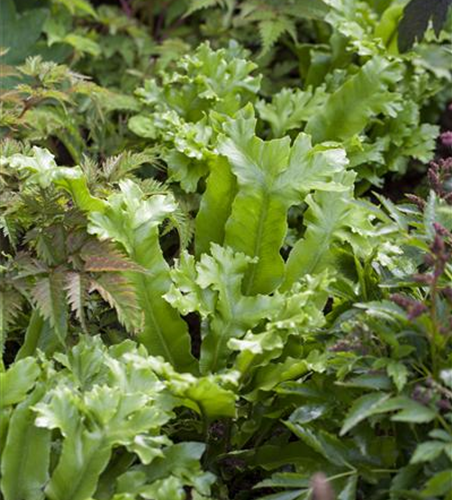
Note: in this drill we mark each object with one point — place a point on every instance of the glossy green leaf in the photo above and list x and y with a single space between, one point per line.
363 408
133 221
271 177
26 454
408 410
362 97
19 379
215 206
425 452
213 287
326 220
84 456
439 484
350 489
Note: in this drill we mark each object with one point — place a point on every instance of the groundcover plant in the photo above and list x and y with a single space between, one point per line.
226 250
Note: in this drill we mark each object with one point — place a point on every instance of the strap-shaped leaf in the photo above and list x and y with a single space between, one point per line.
216 204
17 381
213 287
26 457
85 455
133 221
362 97
271 177
39 335
327 215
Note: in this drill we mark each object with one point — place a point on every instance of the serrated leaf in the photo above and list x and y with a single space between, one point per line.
399 373
102 256
48 293
119 292
76 288
10 303
271 176
271 30
363 408
196 5
44 171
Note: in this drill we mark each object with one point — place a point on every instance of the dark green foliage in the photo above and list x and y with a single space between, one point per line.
416 18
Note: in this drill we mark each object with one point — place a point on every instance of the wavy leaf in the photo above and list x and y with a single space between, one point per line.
17 381
84 456
359 100
133 221
271 177
325 220
212 287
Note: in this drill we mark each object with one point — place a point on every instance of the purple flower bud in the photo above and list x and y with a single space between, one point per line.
444 404
416 309
411 306
417 201
441 230
437 247
446 165
426 279
421 395
446 139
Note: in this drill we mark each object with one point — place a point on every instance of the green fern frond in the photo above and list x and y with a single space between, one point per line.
120 294
181 221
196 5
152 187
76 289
10 305
103 256
271 31
117 167
48 295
